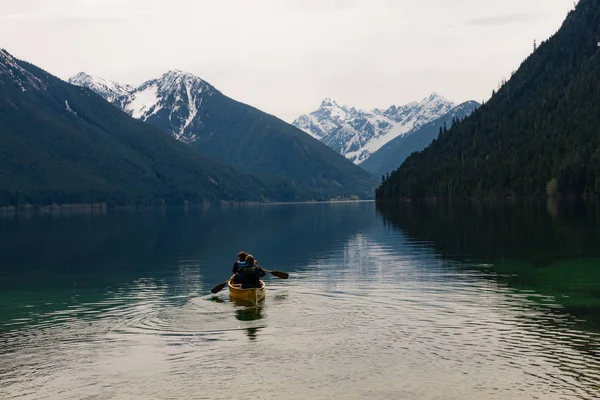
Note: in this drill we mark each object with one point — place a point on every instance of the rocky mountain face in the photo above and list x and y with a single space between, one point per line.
172 101
109 90
356 134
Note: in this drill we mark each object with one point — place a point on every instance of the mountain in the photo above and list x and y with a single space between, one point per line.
109 90
537 136
393 154
170 102
63 144
356 134
236 134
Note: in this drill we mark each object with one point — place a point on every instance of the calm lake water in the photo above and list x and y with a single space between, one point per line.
417 301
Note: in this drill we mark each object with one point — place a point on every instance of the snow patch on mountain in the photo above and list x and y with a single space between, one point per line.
109 90
174 101
357 134
142 103
69 109
192 111
11 71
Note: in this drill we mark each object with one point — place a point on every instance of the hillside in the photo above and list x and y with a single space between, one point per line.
236 134
393 154
537 136
61 143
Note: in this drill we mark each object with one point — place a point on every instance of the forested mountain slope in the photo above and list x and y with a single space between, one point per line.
61 144
236 134
539 135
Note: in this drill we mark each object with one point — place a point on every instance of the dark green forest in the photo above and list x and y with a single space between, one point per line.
248 139
92 152
62 144
539 135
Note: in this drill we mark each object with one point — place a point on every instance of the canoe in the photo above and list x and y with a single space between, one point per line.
252 295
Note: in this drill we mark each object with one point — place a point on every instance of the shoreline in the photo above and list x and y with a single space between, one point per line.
103 208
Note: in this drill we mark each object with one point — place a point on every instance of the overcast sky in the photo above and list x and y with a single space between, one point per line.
285 56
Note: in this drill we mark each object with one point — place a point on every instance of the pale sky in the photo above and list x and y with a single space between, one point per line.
285 56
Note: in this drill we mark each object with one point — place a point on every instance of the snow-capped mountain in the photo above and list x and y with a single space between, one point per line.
12 72
173 102
357 134
238 135
109 90
393 154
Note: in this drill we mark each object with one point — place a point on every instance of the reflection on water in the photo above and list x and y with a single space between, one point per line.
247 311
252 332
551 248
421 302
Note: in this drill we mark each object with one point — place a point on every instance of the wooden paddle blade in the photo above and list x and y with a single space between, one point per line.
279 274
218 288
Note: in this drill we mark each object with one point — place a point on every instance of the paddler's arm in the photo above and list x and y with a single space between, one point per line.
261 272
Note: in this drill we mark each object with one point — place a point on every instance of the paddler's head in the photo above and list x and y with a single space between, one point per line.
242 255
250 259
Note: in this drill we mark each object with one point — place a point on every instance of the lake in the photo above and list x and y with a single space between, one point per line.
414 301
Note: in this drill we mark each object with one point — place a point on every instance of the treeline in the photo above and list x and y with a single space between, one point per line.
539 135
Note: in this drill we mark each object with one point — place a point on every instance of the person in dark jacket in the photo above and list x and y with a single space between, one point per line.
237 278
250 272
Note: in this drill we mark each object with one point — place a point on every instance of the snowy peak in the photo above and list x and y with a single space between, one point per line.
334 110
173 101
12 72
176 97
332 106
109 90
328 103
329 116
435 102
435 97
174 82
429 108
357 134
175 78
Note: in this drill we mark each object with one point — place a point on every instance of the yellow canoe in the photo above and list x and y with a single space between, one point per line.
252 295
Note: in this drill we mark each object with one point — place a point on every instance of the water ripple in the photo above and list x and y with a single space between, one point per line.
361 316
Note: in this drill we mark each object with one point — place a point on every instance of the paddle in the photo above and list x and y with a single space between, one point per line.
220 286
279 274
